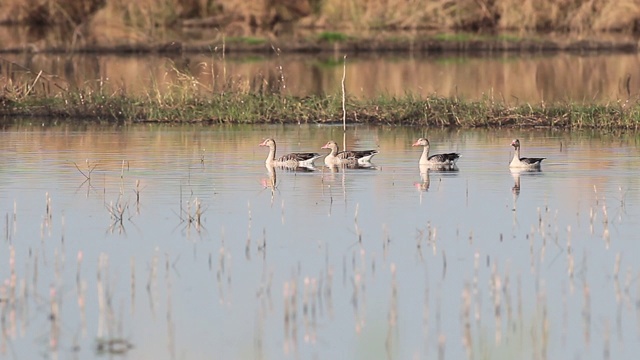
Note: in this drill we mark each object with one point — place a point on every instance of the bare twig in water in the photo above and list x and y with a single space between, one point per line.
117 214
90 168
192 215
138 190
117 211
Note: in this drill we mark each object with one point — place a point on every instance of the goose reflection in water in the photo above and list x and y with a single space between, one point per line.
515 173
271 182
426 169
351 166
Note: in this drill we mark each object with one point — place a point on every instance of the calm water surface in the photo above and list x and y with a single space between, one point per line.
177 247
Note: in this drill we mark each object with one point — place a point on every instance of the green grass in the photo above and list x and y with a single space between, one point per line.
331 36
466 37
455 37
509 38
238 108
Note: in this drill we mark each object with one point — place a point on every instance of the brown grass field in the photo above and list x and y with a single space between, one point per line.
144 20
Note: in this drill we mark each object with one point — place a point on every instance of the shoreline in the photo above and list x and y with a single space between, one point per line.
185 106
233 108
481 44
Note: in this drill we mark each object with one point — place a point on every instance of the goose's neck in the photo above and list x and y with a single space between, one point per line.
334 152
516 155
272 154
424 159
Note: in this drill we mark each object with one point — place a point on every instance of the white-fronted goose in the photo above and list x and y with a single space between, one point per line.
351 157
448 159
520 162
288 160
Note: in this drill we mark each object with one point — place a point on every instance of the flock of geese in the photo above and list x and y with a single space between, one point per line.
355 158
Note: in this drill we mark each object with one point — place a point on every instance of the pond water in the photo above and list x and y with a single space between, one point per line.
177 246
511 78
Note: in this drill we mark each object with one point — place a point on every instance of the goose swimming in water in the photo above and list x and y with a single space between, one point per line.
448 159
523 162
288 160
351 157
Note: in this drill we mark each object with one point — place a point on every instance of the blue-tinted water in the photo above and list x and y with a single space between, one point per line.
478 263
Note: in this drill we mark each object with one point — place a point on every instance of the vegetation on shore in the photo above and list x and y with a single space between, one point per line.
334 15
277 108
149 25
72 25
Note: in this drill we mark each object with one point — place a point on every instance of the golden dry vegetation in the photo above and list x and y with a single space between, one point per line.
148 20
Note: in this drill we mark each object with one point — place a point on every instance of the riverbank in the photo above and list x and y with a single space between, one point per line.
343 43
260 109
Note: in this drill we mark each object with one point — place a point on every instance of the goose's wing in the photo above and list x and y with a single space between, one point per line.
356 154
531 161
300 157
444 158
364 153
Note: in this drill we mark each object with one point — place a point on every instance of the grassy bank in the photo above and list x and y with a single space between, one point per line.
276 108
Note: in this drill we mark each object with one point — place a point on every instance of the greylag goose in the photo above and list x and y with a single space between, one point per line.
352 157
439 160
288 160
525 163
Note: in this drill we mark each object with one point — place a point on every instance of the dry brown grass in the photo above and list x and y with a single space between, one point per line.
246 17
49 12
519 15
569 15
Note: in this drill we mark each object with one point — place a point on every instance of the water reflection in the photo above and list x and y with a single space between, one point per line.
427 169
314 263
425 180
272 181
502 77
516 172
350 166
